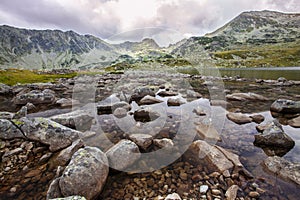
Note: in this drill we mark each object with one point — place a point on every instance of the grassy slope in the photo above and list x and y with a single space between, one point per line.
267 55
14 76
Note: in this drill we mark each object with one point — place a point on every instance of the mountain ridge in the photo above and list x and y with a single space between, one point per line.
241 42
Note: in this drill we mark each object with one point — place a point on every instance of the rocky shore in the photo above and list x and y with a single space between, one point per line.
86 137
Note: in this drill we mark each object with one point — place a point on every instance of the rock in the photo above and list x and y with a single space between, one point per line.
221 103
193 94
142 140
285 106
283 168
109 108
86 173
294 122
139 93
70 198
47 132
163 143
281 79
257 118
231 192
245 96
173 196
145 115
253 194
78 120
274 136
9 131
63 102
199 111
175 102
4 89
21 113
12 152
30 107
53 191
200 152
65 155
123 154
35 97
167 93
120 113
203 189
208 132
239 118
148 100
6 115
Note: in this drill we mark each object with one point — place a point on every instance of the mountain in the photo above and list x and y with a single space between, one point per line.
252 39
134 47
24 48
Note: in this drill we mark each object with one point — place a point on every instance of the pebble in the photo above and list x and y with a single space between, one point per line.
216 192
203 189
254 194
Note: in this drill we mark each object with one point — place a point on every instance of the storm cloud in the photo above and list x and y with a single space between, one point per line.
109 18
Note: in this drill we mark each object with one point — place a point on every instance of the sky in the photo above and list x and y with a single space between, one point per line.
118 20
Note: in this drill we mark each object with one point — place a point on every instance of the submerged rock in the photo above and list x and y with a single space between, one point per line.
283 168
285 106
86 173
109 108
208 132
245 96
273 138
123 154
142 140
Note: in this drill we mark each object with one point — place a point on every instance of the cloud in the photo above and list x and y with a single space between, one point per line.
104 18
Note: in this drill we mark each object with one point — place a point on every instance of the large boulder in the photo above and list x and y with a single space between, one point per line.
35 97
272 135
283 168
79 120
8 130
123 154
285 106
47 132
4 89
86 173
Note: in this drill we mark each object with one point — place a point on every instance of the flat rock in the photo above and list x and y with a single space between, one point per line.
245 96
47 132
283 168
239 118
86 173
123 154
78 120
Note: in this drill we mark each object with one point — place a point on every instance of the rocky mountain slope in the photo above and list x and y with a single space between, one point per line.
252 39
52 49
